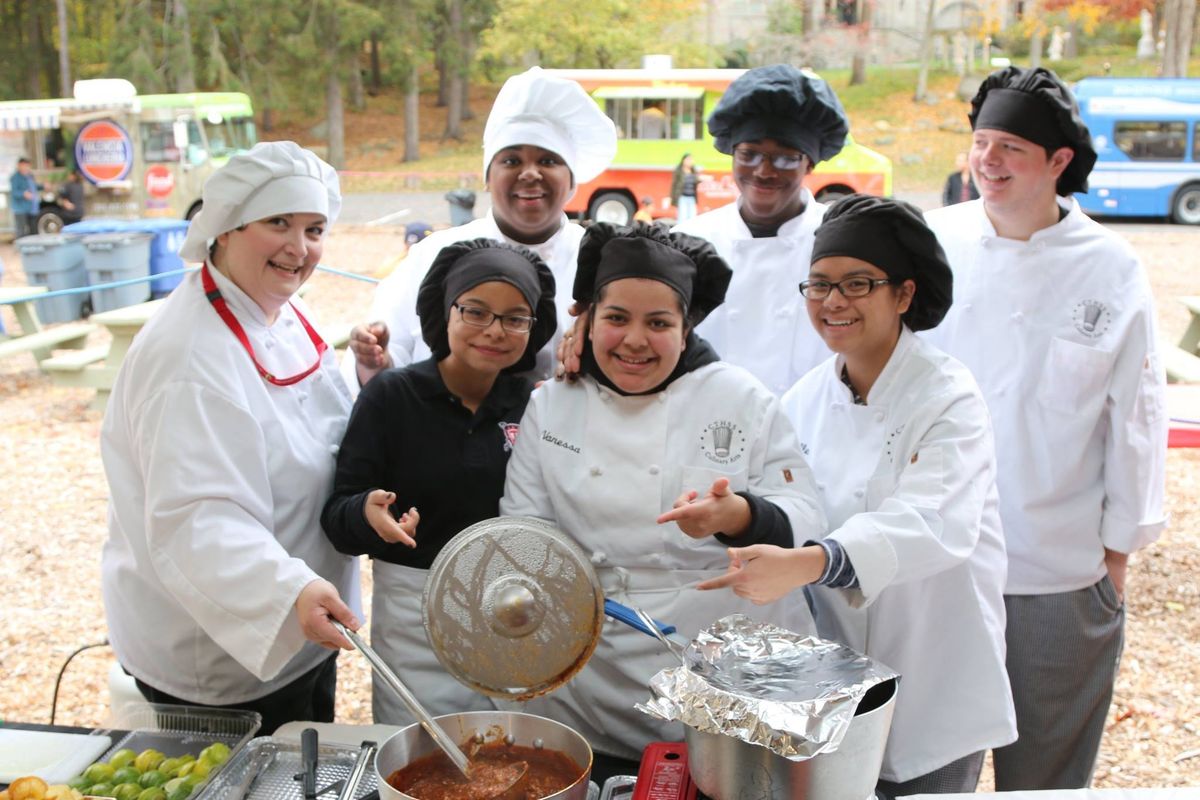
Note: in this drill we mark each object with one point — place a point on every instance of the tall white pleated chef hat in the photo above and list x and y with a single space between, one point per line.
272 178
555 114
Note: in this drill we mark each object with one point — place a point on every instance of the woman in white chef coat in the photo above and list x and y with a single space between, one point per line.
427 446
653 462
901 445
219 445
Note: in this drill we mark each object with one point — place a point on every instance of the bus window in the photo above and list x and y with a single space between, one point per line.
652 117
1151 141
228 136
158 143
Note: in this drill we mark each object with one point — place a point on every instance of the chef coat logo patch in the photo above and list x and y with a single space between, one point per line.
510 430
1092 318
723 442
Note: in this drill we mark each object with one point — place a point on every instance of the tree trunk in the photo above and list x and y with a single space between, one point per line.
64 54
412 109
336 154
1071 46
357 101
182 62
926 54
1179 21
858 65
455 70
376 83
1035 41
439 61
33 52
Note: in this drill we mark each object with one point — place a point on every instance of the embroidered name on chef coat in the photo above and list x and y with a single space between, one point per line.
552 439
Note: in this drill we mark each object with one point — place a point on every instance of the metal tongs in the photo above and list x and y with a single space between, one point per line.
654 628
440 737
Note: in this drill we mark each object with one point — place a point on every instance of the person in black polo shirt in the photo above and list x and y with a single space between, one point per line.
426 449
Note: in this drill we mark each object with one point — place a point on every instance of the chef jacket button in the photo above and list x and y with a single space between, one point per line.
605 397
596 472
858 493
1017 316
820 487
662 396
599 558
879 416
654 469
966 306
270 342
334 448
1040 246
656 558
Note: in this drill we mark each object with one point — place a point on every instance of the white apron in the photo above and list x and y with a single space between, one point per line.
398 636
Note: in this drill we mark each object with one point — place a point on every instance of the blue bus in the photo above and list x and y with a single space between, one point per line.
1148 146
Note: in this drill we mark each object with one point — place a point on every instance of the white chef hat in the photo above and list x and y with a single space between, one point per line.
272 178
555 114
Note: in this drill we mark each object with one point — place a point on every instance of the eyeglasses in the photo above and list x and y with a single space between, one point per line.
482 318
851 287
746 157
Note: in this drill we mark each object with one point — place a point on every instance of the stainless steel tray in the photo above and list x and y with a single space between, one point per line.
277 781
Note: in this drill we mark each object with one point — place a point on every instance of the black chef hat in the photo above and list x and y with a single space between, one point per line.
688 264
780 102
1035 105
893 236
463 265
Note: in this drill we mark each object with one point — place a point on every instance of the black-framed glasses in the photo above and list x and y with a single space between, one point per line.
850 287
479 317
748 157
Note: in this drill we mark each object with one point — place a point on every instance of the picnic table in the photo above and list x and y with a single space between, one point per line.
1183 361
33 337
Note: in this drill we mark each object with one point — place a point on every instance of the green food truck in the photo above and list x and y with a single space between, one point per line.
139 155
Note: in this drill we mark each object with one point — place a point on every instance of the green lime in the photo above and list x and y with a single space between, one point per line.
194 780
200 770
187 758
170 766
127 791
177 789
125 775
153 793
152 777
148 760
80 784
102 790
99 772
122 758
216 753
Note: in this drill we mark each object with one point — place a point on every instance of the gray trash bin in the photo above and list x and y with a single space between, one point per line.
462 205
55 261
118 257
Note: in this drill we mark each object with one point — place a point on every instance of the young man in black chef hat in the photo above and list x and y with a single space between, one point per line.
1053 314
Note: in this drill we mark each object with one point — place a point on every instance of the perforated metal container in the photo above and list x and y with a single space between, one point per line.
279 762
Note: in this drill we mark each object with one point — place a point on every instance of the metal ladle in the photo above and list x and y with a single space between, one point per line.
440 737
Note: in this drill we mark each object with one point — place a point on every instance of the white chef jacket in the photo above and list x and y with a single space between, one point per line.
217 479
396 296
1059 333
909 487
602 467
763 325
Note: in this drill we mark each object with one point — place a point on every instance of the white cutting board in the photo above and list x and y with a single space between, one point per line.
54 757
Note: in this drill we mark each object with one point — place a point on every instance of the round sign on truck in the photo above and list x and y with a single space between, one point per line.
103 151
160 182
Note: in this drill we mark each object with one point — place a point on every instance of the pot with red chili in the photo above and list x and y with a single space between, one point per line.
546 759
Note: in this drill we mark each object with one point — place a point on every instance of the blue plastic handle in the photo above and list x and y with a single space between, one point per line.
623 613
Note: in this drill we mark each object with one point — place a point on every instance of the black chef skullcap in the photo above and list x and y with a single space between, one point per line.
688 264
1035 105
780 102
893 236
463 265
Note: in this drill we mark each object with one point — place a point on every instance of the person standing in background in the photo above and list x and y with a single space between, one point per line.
959 188
683 187
71 198
24 196
1054 316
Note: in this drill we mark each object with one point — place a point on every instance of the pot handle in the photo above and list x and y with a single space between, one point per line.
623 613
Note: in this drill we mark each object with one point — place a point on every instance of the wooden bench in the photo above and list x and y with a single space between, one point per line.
42 343
69 365
1182 366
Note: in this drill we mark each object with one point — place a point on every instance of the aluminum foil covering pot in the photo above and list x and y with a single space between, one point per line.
760 684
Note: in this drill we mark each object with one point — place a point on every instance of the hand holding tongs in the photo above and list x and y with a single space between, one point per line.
414 706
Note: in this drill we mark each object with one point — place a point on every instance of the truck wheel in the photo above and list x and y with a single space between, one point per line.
612 207
192 212
50 221
1186 207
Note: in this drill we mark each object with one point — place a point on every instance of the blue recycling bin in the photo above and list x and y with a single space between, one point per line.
112 257
164 248
55 261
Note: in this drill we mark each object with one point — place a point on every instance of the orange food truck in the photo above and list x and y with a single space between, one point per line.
660 116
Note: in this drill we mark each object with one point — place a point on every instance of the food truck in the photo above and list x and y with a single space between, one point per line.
139 155
660 116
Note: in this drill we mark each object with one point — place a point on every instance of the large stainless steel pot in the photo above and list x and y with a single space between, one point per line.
725 768
526 729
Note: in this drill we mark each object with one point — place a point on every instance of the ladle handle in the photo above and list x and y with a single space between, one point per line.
623 613
410 701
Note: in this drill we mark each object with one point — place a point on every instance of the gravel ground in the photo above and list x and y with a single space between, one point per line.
52 525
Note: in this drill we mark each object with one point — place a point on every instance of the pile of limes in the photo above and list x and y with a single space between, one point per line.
149 775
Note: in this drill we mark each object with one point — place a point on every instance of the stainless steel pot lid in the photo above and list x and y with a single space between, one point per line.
512 608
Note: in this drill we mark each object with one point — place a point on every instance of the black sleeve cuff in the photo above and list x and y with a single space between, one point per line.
345 523
768 525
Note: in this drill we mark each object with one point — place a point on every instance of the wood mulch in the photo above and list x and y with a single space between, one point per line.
52 525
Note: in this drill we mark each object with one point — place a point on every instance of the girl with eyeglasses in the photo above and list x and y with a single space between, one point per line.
900 442
427 445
